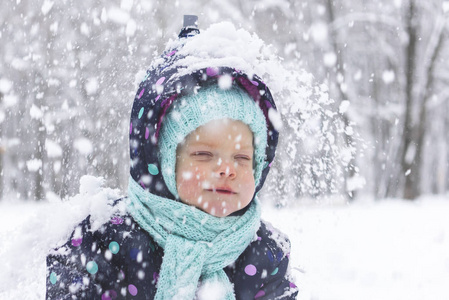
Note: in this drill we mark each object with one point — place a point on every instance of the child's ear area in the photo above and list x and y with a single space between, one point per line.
181 146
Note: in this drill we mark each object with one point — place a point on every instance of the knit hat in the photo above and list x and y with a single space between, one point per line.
210 103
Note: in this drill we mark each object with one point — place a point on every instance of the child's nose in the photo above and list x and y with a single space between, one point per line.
226 169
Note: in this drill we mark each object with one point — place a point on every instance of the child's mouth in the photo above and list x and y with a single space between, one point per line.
225 191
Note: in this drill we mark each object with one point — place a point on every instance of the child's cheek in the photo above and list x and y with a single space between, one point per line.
193 180
198 175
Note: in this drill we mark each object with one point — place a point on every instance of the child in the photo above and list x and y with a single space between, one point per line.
201 145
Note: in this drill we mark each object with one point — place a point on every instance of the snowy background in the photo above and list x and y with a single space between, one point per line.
391 249
361 179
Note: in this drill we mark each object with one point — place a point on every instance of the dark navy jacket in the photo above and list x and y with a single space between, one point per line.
127 264
120 260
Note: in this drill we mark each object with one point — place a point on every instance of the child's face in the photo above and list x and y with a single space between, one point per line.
214 167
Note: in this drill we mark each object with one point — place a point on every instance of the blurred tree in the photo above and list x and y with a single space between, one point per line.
68 76
420 67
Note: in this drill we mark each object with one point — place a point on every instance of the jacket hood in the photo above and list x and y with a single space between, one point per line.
220 55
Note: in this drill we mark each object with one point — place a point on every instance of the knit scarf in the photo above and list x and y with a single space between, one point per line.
197 246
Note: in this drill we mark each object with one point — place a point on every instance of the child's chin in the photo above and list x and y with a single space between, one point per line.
220 213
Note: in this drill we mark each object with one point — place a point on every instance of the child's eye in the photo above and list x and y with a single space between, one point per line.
243 157
202 155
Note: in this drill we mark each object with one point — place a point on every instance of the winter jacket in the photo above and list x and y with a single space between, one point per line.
127 264
120 260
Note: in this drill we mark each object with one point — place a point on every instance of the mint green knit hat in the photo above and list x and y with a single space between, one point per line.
210 103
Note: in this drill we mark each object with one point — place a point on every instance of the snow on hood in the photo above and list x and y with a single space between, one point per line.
221 45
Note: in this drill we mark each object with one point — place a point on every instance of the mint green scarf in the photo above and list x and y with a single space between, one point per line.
197 246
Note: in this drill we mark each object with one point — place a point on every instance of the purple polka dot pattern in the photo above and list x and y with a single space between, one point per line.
157 98
147 133
132 289
109 295
259 294
212 71
250 270
171 53
76 242
116 220
130 128
165 101
155 277
292 285
141 93
259 238
105 296
254 82
160 81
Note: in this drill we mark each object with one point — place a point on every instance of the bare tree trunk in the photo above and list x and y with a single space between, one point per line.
2 150
408 154
339 69
40 134
413 139
446 130
39 192
378 134
438 34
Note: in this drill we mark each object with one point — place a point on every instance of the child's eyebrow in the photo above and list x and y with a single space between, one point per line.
243 146
200 143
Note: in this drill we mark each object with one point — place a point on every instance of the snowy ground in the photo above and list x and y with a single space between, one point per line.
384 250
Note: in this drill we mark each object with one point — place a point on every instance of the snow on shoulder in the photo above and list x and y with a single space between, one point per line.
35 228
100 200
